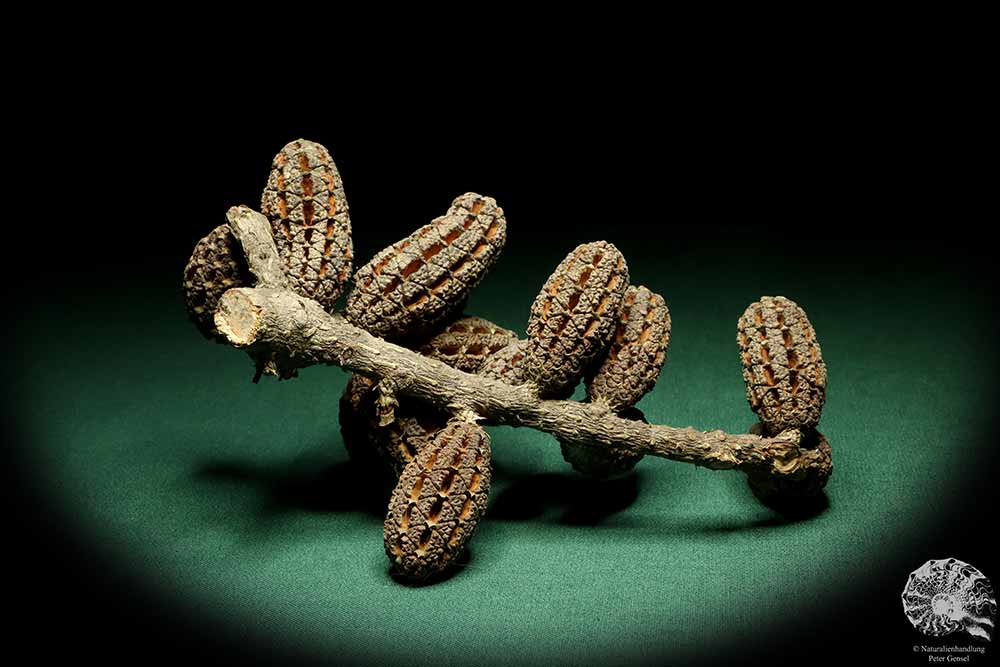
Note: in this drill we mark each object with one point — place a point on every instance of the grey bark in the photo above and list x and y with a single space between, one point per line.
253 232
294 332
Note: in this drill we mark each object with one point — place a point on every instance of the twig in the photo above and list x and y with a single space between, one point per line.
292 332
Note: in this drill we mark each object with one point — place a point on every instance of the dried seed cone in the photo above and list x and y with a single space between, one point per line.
418 282
574 316
401 442
637 353
777 483
602 462
395 444
629 370
783 366
506 364
304 200
467 343
216 265
438 501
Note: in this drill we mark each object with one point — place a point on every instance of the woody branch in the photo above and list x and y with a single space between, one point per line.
291 332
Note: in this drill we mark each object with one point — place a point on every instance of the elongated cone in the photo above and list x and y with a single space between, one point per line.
305 203
467 343
574 316
439 500
419 282
629 370
637 353
216 265
506 364
783 366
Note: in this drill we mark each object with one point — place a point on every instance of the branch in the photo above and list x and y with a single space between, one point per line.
293 332
297 332
253 232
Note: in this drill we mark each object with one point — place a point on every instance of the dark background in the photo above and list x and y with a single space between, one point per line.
879 176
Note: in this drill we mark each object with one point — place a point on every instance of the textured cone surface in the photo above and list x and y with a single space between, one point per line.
438 501
216 265
637 353
802 482
305 203
599 461
574 316
467 343
418 282
395 444
507 364
410 433
783 366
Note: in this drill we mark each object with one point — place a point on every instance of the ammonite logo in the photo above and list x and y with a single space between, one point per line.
946 596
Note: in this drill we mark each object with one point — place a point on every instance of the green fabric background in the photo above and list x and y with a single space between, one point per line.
237 501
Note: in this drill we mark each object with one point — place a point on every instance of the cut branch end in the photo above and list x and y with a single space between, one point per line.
238 318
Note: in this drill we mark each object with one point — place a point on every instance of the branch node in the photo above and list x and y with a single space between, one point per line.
386 401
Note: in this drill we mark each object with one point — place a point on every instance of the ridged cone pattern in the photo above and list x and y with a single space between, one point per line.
574 317
637 353
395 444
467 343
783 365
215 266
418 282
304 201
438 501
506 364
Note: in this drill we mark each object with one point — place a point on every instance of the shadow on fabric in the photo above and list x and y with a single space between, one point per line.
304 487
582 501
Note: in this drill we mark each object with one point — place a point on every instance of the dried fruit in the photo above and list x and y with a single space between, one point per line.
783 366
506 364
216 265
629 370
304 200
599 461
574 316
408 435
467 343
395 444
637 353
438 501
585 322
419 281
